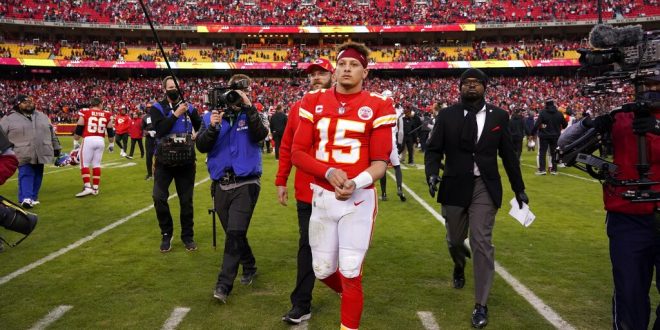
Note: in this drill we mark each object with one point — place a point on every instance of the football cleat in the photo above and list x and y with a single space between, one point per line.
85 192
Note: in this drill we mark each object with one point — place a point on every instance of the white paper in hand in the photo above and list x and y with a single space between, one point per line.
524 215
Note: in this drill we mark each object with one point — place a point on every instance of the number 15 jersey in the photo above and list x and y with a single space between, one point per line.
96 121
346 136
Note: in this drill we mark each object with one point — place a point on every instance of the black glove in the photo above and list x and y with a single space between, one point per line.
521 197
602 123
433 182
56 153
648 124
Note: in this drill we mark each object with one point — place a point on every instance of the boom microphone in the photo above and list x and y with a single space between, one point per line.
607 36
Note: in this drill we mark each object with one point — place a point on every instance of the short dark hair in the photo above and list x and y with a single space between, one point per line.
239 77
95 102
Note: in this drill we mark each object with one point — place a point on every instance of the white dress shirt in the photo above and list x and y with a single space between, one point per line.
481 121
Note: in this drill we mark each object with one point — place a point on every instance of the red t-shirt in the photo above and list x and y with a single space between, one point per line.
96 121
346 135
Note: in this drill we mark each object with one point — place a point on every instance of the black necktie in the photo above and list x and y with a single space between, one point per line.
469 132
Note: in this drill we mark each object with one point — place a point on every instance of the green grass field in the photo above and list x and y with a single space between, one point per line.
120 280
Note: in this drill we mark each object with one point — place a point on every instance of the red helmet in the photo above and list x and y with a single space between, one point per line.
75 157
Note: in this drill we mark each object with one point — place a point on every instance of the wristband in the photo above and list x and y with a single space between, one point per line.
363 180
327 173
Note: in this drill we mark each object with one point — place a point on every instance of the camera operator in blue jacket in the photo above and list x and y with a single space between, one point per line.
231 138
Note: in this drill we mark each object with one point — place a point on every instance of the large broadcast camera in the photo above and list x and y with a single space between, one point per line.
621 56
222 97
14 218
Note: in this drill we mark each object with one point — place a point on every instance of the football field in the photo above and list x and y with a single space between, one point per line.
94 262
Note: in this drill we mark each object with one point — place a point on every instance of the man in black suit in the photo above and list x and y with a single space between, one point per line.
469 135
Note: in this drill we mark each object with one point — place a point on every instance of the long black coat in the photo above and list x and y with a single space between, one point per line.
458 176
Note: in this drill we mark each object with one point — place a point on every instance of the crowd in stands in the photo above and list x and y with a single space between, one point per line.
322 12
479 51
474 51
60 98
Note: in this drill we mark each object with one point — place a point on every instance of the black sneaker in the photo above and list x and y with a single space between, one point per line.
383 197
129 157
246 279
220 293
297 315
399 192
479 316
148 177
190 245
166 244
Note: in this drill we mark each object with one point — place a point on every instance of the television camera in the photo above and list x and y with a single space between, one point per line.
621 56
222 97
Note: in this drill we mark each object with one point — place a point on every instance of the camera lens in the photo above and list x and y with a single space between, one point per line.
231 97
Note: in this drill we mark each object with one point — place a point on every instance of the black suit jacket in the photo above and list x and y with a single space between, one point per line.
458 176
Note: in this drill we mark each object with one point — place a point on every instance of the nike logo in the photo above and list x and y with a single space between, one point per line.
358 203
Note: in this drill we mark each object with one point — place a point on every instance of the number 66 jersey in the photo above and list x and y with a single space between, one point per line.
96 121
344 131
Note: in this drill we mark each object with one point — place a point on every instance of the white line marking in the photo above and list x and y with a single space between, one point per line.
428 321
546 311
567 174
77 167
53 316
175 318
81 241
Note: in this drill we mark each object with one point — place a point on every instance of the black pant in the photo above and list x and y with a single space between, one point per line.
423 136
234 208
122 141
301 296
551 143
409 141
277 137
139 143
517 145
635 252
184 180
150 144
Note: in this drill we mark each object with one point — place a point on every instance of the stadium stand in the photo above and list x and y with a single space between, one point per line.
322 12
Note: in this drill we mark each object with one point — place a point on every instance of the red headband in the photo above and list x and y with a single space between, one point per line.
353 53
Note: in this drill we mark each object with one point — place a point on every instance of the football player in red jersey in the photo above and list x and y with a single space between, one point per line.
93 123
123 124
320 76
349 133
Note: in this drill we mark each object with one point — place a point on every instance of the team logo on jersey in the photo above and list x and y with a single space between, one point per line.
365 113
319 108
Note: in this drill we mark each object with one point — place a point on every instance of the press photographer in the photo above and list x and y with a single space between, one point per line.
174 121
631 182
230 134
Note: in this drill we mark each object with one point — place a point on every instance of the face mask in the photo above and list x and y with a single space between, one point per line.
173 94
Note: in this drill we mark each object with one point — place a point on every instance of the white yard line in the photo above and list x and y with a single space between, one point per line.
546 311
567 174
53 316
428 320
175 318
81 241
68 168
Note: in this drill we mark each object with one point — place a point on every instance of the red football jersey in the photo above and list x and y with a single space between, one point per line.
96 121
345 136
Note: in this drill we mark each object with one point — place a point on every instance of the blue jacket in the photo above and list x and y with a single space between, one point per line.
234 146
182 124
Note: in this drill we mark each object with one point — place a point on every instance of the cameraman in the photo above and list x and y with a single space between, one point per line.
8 166
171 116
633 228
231 138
